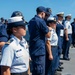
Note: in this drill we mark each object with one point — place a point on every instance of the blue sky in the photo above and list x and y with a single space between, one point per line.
28 7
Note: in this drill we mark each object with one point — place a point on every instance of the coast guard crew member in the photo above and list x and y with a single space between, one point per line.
2 21
49 12
38 30
52 45
15 53
60 33
68 37
73 33
3 35
18 13
3 32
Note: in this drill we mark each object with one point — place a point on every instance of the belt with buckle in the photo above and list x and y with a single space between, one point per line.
23 73
54 46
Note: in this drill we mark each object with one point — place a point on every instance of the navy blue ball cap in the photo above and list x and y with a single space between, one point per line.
15 22
41 9
49 11
17 13
2 18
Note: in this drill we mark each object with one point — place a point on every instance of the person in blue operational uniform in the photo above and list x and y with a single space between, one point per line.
52 47
3 34
73 33
6 22
38 30
2 21
49 12
15 53
68 37
60 33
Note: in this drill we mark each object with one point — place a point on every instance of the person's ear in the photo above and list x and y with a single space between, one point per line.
42 13
14 29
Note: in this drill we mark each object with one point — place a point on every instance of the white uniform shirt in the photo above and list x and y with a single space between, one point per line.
15 55
68 27
53 38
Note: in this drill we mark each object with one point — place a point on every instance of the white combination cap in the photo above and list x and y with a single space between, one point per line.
60 13
51 18
68 15
15 19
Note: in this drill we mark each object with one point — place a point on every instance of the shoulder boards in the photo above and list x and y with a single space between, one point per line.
66 21
9 42
57 22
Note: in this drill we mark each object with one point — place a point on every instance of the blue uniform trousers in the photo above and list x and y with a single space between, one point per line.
51 64
0 70
73 39
38 63
67 46
59 50
60 44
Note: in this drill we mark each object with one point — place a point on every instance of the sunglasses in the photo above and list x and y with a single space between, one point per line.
69 18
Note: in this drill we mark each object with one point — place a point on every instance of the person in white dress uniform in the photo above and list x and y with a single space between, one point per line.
68 37
15 53
52 47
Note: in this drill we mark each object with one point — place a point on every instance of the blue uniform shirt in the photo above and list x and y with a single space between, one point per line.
3 33
59 29
60 34
73 27
37 30
15 54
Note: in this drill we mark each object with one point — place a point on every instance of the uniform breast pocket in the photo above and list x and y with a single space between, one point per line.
69 27
53 37
19 53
